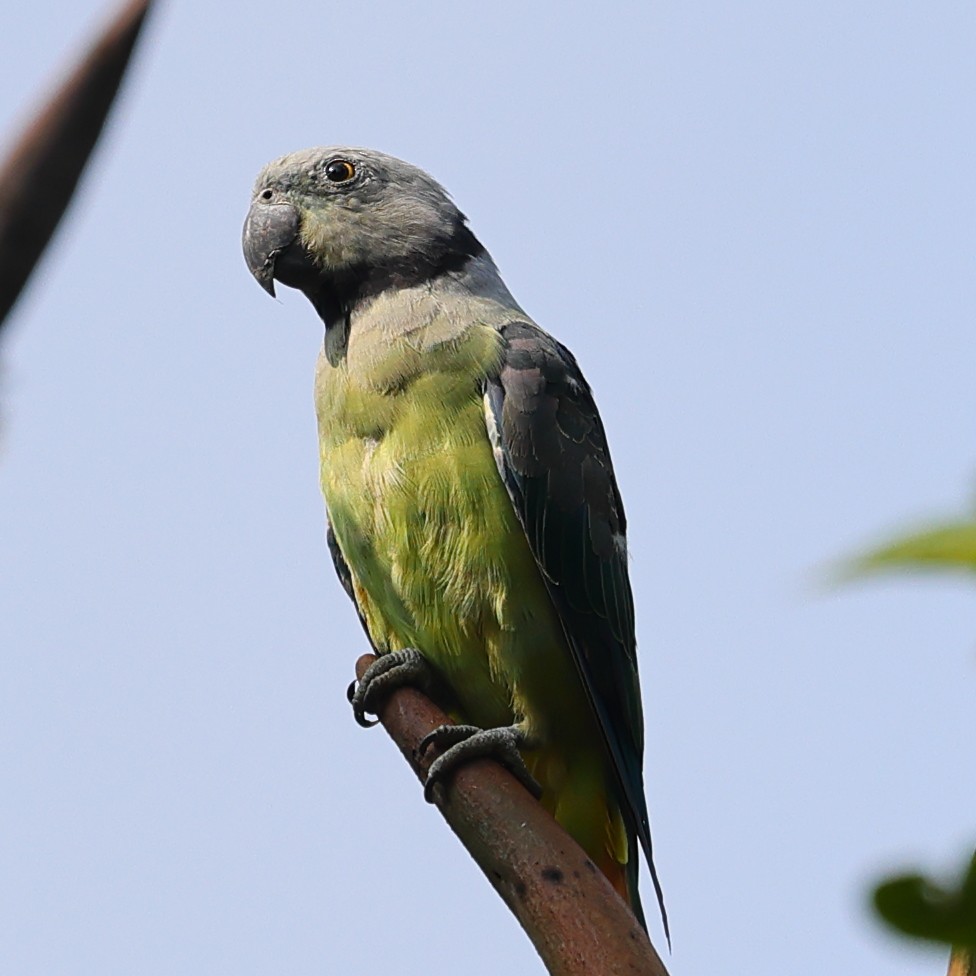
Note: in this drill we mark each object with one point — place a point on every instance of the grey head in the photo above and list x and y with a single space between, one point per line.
345 224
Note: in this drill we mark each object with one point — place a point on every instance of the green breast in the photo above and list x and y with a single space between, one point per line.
420 512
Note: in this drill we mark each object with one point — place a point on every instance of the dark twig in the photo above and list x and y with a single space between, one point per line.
39 176
577 922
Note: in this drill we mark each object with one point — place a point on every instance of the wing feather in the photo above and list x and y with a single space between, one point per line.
553 457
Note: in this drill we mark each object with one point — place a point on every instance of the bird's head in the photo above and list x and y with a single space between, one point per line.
344 224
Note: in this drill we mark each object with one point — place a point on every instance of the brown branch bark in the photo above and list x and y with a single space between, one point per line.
962 963
579 925
39 176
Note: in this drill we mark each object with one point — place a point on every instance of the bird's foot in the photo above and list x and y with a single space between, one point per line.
387 673
463 743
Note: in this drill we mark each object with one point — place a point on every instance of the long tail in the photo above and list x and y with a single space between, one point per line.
576 794
623 877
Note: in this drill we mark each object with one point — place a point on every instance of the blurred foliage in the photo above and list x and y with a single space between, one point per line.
949 546
914 904
917 906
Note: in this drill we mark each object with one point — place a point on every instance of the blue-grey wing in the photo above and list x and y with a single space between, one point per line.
553 457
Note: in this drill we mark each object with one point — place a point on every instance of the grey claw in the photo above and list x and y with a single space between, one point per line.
387 673
466 743
445 736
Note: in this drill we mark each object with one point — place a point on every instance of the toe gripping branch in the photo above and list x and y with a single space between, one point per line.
464 744
397 669
577 922
456 744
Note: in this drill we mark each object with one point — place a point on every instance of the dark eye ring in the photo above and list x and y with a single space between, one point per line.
340 171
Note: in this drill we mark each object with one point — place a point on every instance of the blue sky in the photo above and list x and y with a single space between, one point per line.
754 224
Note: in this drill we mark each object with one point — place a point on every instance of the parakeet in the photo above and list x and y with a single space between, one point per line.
474 516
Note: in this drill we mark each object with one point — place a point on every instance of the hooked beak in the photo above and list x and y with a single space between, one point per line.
269 230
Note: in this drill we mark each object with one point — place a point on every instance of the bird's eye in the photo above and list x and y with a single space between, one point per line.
340 171
267 193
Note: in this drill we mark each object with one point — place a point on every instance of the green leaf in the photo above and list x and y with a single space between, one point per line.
950 546
918 907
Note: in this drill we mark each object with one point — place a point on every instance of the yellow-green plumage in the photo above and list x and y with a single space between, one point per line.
440 562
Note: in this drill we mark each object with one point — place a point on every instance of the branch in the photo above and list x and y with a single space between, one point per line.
962 963
39 176
575 919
